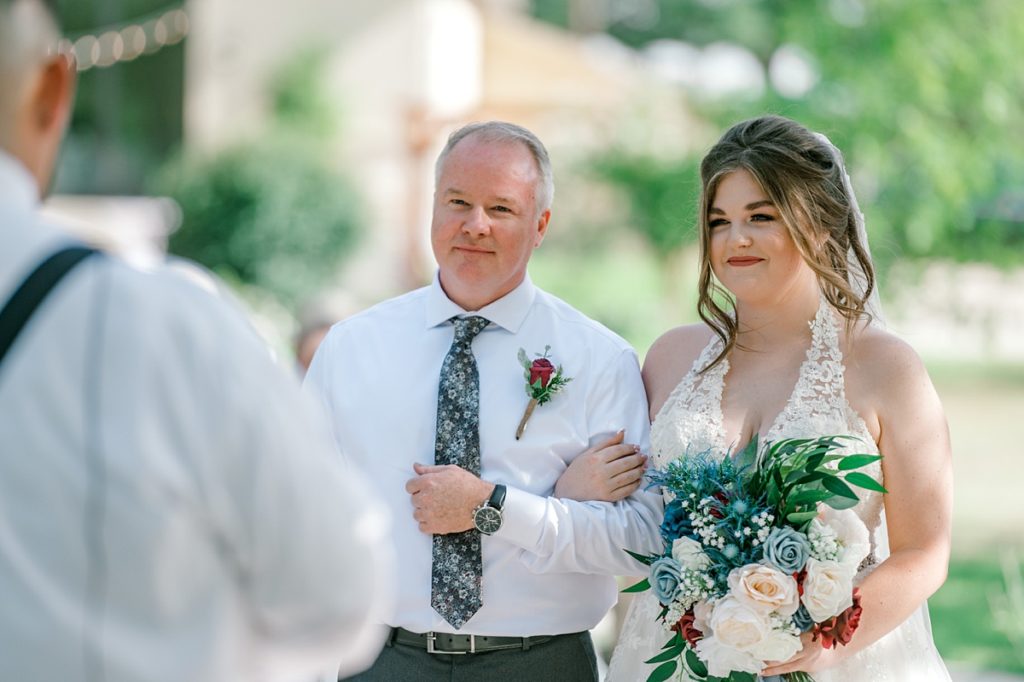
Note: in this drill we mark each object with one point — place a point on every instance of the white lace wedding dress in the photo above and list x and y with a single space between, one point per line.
691 419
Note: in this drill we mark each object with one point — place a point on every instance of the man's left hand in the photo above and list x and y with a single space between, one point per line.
444 498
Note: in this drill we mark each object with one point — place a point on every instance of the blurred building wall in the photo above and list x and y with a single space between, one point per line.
402 75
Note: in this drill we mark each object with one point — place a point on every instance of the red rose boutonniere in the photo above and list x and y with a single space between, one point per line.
543 380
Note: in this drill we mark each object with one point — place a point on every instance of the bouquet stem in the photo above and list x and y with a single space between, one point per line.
526 417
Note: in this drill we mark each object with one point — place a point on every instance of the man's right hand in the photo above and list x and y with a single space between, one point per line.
608 472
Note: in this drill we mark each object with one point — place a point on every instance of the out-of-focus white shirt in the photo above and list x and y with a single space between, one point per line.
547 571
168 510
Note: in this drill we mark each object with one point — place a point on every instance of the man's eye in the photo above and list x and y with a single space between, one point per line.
501 209
458 202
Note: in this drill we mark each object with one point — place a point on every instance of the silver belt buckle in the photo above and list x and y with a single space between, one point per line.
432 637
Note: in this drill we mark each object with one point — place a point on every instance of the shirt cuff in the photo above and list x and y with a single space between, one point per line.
523 519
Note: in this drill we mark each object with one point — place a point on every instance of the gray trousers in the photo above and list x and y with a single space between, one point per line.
566 658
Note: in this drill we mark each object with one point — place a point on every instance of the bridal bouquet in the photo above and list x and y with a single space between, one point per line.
758 549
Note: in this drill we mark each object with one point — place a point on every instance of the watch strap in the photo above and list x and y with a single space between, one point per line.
497 499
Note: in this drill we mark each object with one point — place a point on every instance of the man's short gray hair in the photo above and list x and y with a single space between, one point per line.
29 33
500 131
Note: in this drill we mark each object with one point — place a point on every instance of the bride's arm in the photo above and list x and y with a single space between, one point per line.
917 471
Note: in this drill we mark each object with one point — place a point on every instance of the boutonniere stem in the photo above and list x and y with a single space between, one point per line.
543 380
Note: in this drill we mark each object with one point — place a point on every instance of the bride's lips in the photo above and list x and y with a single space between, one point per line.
743 261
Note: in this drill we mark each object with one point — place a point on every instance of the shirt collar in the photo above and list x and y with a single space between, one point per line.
17 186
508 312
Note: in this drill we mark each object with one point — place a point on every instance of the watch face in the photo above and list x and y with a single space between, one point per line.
487 520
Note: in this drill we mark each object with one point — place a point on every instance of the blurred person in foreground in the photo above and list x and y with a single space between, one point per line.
502 575
798 351
168 511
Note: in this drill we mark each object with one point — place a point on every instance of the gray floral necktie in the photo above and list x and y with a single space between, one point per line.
457 566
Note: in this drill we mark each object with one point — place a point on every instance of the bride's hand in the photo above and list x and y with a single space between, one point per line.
607 472
812 658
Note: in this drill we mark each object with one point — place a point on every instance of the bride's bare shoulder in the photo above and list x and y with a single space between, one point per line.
669 359
883 363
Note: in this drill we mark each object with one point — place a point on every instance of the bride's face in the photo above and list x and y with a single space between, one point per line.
752 253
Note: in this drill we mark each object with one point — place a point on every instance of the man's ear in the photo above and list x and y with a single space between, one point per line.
542 227
52 98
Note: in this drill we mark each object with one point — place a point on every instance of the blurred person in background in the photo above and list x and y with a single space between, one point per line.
168 510
309 338
502 575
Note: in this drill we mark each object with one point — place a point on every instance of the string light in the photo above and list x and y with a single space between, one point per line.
127 42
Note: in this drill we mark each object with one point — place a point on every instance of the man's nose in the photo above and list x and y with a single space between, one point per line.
477 223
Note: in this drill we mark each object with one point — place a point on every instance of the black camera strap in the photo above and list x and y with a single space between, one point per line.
33 291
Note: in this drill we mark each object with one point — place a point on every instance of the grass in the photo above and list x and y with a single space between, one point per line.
962 619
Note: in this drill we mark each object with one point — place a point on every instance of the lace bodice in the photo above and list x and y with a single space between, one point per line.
691 420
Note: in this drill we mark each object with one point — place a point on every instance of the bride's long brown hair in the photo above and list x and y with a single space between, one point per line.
804 180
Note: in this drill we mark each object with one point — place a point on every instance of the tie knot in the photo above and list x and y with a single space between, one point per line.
466 329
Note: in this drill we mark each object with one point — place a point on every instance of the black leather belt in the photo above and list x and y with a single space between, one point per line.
445 643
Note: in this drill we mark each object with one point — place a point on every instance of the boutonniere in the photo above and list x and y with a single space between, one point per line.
543 380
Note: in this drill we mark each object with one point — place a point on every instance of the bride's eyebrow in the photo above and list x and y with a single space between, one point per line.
748 207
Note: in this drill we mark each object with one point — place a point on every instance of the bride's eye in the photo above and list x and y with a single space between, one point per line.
762 217
717 222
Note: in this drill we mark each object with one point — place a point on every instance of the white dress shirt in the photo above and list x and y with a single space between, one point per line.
168 511
547 570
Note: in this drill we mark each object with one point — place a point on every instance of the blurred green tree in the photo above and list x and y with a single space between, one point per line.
926 98
270 212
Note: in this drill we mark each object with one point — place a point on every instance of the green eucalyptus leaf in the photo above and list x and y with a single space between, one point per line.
809 497
666 655
695 665
663 672
864 481
812 478
857 461
801 517
644 584
838 487
841 503
646 560
523 360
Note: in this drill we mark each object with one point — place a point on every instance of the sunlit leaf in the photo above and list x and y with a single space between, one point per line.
857 461
865 481
663 672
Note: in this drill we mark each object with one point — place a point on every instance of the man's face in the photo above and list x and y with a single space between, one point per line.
486 222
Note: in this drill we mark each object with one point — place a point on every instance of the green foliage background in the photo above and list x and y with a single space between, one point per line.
270 212
925 98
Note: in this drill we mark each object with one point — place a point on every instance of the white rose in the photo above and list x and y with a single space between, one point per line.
722 659
779 645
738 625
690 554
764 588
851 534
702 615
828 589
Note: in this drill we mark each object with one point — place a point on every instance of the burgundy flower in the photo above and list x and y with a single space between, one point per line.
716 510
541 370
685 628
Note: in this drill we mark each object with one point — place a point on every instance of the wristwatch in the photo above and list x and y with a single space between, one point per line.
487 517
